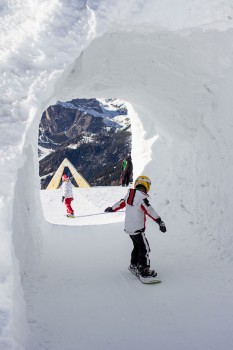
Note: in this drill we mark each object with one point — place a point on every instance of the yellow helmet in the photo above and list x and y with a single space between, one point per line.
144 181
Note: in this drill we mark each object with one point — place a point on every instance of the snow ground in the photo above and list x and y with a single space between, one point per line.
81 295
89 210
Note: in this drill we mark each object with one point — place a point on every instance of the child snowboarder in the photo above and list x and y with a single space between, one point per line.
137 207
67 195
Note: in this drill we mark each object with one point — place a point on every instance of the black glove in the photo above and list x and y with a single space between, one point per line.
162 227
161 224
108 210
62 198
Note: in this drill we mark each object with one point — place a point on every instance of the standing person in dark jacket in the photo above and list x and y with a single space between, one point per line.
126 171
138 207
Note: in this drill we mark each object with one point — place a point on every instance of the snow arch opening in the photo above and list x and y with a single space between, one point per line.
58 139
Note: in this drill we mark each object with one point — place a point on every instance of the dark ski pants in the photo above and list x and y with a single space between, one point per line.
126 179
141 249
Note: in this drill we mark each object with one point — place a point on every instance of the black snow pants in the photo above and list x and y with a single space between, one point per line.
126 178
141 249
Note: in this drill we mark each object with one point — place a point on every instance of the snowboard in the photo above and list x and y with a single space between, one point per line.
146 280
150 280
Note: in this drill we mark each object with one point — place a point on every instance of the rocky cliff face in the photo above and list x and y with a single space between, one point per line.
94 135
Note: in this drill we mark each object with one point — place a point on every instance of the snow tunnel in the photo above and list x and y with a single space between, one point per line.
179 87
175 85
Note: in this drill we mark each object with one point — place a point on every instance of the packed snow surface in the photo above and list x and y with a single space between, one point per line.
65 284
82 295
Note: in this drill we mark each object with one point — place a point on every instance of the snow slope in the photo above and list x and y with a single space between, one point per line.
81 295
172 63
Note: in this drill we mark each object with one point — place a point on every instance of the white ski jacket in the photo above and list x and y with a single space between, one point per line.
67 189
137 207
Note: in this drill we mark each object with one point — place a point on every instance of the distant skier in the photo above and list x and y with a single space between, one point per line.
126 171
137 207
67 195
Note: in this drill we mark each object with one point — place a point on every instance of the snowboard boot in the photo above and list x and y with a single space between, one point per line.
145 272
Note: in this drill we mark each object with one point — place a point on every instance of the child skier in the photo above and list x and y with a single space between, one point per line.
67 195
137 207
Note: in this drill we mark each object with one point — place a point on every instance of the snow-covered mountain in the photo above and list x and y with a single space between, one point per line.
172 62
62 118
95 136
105 108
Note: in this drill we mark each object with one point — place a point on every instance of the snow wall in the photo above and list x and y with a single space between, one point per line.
172 64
